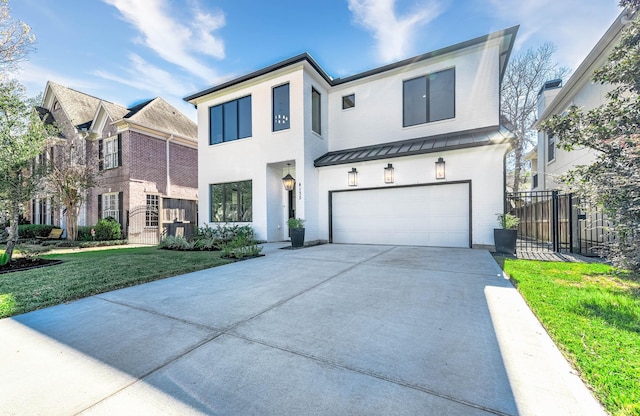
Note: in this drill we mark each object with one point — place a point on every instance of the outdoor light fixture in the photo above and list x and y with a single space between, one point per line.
388 173
353 177
288 181
440 168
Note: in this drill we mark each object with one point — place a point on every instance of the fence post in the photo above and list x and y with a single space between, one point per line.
555 222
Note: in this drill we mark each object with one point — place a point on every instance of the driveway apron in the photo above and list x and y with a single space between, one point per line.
326 330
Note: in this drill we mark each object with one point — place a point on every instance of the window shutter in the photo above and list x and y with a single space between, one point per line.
100 156
120 211
99 207
119 149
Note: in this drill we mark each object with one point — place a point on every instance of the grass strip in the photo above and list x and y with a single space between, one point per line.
592 312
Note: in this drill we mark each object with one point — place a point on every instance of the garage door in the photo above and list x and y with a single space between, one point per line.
435 215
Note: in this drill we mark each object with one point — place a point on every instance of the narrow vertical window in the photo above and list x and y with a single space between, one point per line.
551 148
281 107
316 119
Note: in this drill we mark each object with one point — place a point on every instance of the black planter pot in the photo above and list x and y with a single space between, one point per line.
505 240
297 237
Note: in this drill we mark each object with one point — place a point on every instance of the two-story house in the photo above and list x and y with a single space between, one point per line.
411 153
147 158
549 161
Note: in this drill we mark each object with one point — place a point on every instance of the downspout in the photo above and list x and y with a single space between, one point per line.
168 166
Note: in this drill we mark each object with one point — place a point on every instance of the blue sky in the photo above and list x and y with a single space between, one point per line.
126 51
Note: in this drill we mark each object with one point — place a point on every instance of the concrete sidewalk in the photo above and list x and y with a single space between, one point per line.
327 330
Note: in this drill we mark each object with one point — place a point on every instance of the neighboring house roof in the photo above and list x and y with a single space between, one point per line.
449 141
584 73
161 115
507 35
78 106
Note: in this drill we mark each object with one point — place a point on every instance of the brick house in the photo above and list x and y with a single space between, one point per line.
147 155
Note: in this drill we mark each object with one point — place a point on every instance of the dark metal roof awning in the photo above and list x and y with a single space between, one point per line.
442 142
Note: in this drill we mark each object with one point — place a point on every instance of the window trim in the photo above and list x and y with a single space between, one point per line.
153 202
428 102
238 118
109 195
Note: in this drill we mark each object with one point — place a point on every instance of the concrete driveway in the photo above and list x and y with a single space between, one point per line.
327 330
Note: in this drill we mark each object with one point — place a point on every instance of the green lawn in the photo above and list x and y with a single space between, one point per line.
92 272
592 312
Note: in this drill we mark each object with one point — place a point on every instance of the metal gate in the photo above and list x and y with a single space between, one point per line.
142 225
552 221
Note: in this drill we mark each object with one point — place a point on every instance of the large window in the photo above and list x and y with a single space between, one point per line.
316 120
230 202
111 206
153 205
230 121
281 107
429 98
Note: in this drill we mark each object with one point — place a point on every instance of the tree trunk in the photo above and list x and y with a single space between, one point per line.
13 228
72 222
518 165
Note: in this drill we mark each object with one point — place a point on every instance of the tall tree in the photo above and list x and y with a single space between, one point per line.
70 177
16 39
525 75
23 136
612 181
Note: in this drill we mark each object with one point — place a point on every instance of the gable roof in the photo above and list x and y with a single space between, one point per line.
507 37
78 106
161 115
450 141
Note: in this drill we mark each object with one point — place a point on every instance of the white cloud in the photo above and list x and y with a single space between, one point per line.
173 40
574 26
393 34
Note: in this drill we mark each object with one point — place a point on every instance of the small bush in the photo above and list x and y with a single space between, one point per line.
4 258
35 230
84 233
240 247
176 243
108 229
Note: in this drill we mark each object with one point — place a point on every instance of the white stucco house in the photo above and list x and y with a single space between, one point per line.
364 150
549 161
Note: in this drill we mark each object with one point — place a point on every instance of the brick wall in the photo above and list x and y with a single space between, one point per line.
148 162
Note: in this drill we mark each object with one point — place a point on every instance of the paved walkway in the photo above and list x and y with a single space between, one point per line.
326 330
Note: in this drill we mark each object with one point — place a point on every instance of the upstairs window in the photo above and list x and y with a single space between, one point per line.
316 120
230 121
110 152
281 108
348 101
429 98
551 149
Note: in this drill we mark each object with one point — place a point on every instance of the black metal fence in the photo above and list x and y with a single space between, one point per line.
552 221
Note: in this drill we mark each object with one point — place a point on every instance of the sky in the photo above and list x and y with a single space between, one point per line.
129 51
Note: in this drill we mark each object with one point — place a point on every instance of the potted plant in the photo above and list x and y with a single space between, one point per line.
505 237
296 227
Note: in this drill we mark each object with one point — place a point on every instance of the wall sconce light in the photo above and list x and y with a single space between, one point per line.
353 177
288 181
440 168
388 173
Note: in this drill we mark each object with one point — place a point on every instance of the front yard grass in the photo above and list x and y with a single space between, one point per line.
592 312
93 272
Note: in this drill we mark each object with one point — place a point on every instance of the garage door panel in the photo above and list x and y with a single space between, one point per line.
420 215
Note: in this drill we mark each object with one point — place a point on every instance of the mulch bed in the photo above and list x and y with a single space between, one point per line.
22 263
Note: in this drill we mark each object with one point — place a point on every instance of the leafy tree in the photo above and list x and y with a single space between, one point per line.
16 39
23 136
69 179
613 129
524 76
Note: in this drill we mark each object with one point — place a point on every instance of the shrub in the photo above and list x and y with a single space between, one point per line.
240 247
508 221
295 223
84 233
4 258
34 230
108 229
176 243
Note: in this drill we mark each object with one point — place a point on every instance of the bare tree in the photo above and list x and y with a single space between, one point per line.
16 39
70 177
525 75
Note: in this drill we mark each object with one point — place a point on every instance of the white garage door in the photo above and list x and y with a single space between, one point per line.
436 215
